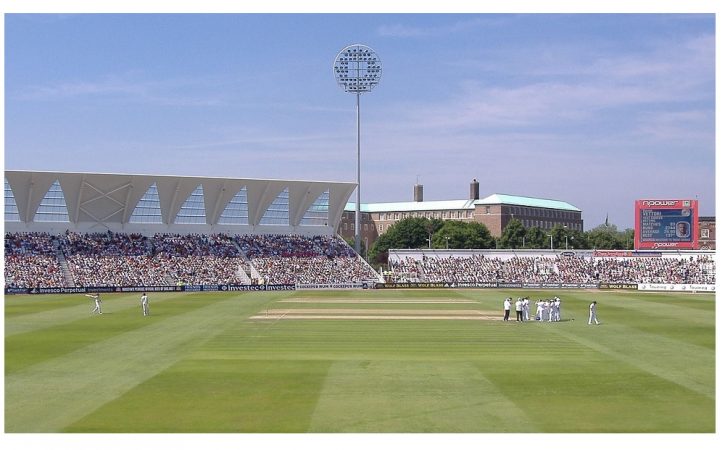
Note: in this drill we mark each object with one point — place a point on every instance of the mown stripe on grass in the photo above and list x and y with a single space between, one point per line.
690 366
54 317
412 397
26 349
51 395
665 310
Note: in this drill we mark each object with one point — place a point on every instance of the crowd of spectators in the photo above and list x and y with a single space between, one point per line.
560 269
285 259
292 245
103 244
115 259
30 261
118 259
474 269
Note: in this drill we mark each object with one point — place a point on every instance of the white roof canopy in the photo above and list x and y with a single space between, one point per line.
100 202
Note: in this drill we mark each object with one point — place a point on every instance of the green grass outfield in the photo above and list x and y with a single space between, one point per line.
201 363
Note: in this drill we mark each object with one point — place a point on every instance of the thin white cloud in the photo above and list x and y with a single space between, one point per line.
129 87
407 31
667 74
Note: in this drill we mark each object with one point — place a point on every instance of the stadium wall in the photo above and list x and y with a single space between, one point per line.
504 254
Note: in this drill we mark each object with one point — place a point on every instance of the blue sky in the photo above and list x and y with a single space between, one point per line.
595 110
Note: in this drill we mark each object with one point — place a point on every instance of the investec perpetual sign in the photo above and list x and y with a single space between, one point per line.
665 224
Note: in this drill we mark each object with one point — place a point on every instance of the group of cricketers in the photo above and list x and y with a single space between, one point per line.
548 310
96 297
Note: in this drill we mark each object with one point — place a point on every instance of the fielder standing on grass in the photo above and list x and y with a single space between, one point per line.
593 313
97 299
145 304
519 310
506 308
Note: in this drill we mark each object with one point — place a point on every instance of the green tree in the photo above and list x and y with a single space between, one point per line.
412 232
578 240
628 236
513 235
536 238
604 237
462 235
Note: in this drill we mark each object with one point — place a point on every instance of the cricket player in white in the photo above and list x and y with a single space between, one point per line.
593 313
550 308
145 304
519 310
506 308
97 299
540 309
557 309
526 308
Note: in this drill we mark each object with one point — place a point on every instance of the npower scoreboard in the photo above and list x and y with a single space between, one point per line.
665 224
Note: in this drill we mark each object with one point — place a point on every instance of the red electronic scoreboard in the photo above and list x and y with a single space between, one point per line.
665 224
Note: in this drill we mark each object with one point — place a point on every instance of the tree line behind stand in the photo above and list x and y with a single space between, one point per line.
415 232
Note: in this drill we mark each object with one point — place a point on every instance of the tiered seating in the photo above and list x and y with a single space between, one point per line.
30 261
283 259
480 268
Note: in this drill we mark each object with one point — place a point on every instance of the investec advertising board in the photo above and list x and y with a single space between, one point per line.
665 224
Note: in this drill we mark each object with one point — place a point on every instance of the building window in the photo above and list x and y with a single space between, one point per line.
148 209
316 214
705 233
53 207
192 211
237 210
278 211
11 208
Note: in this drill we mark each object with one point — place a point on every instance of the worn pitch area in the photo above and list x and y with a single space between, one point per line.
342 313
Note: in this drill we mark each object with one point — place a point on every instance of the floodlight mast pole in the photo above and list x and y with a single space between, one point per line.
357 204
366 70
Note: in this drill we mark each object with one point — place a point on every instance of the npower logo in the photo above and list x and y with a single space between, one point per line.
659 202
665 244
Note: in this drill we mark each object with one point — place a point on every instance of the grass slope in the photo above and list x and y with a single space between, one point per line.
198 364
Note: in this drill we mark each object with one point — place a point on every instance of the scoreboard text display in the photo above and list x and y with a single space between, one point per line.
665 224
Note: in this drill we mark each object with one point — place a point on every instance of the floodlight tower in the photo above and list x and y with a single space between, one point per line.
357 70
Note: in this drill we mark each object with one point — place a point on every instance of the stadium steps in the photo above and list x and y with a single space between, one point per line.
251 273
243 275
63 263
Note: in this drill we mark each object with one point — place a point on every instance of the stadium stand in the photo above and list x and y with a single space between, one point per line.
30 261
684 269
118 259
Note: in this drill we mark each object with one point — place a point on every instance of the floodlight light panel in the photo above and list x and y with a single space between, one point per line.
357 68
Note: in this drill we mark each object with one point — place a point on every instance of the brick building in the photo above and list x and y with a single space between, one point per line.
706 239
494 211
